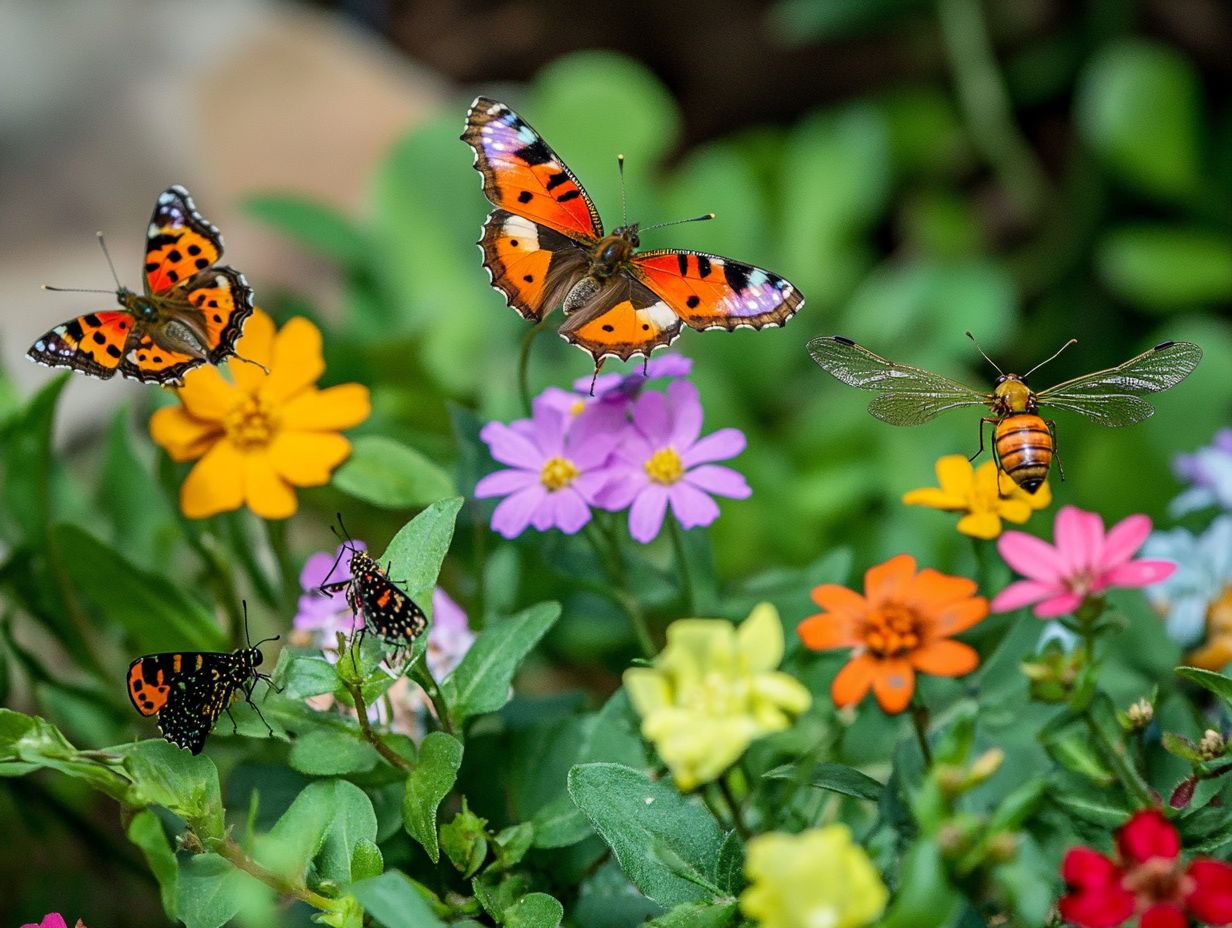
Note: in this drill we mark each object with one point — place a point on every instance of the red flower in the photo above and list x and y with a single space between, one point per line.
1147 881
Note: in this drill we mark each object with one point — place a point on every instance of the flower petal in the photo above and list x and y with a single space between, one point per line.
841 601
691 506
184 437
1062 604
853 681
206 395
571 511
1033 558
884 581
945 658
622 489
760 637
266 493
828 630
652 419
297 362
256 344
646 513
717 446
504 482
1211 897
514 512
306 459
1164 915
1139 573
686 413
1079 536
1022 593
894 684
327 410
511 447
956 476
986 525
934 498
719 480
215 484
1148 834
1098 900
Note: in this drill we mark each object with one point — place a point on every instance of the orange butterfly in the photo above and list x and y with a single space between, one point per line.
191 311
544 245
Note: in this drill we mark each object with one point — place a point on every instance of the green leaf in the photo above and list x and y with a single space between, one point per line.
512 843
634 813
325 753
168 776
1166 267
354 824
835 777
418 550
1139 105
729 869
366 861
157 614
301 675
1087 801
440 756
480 683
534 910
395 902
325 823
141 522
697 915
388 474
146 831
210 892
924 887
1217 683
28 461
312 224
465 840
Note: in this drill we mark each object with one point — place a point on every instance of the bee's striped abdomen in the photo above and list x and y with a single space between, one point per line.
1024 448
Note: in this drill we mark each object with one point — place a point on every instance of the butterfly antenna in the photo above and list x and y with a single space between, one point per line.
620 169
676 222
111 264
1072 341
247 636
982 354
75 290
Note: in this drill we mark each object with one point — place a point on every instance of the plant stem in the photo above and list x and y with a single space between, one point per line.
986 105
919 721
682 564
284 887
276 531
422 674
361 709
737 814
524 366
607 550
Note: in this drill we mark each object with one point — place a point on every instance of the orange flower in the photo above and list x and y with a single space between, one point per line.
264 434
899 626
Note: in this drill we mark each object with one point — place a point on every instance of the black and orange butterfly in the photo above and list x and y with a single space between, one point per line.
188 690
191 311
388 611
544 246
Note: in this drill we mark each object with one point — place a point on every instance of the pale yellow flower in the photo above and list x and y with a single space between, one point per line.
816 879
712 690
983 495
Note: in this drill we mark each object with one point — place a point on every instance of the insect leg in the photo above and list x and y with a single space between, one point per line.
595 375
1052 430
980 450
255 708
235 729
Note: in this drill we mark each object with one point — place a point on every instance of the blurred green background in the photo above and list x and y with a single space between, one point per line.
1029 171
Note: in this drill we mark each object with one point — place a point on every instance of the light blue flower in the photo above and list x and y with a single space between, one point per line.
1209 473
1203 572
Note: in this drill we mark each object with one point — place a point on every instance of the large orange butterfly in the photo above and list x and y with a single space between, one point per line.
544 246
191 311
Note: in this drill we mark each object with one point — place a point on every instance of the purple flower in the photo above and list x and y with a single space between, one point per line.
451 636
1209 473
322 615
621 387
662 461
557 465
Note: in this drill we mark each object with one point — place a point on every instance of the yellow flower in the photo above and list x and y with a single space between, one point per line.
976 494
712 690
264 434
816 879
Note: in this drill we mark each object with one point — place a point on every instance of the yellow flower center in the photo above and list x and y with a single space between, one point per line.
251 423
558 473
665 466
577 407
892 630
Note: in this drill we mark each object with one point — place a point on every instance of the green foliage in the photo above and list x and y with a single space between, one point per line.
440 756
386 473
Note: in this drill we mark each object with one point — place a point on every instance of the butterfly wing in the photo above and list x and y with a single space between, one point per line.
388 611
523 175
94 344
909 395
187 690
710 292
625 318
180 242
224 298
1110 397
532 265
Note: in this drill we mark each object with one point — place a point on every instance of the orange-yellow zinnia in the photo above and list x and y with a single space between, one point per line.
264 434
899 626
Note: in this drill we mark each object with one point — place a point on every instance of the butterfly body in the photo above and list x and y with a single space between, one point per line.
188 690
1024 443
387 610
544 246
189 312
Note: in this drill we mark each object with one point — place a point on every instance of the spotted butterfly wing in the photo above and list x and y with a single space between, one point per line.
94 344
624 319
188 690
710 292
388 611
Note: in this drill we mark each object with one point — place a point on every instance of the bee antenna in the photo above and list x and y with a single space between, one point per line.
620 169
676 222
1072 341
986 357
106 254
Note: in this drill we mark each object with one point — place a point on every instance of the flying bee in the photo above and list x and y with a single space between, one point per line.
1024 444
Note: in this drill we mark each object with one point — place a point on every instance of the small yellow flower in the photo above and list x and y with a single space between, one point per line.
816 879
264 434
712 690
975 492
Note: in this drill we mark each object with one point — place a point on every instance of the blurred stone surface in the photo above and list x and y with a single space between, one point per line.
104 105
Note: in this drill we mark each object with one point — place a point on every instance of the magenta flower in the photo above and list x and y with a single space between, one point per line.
662 462
52 920
1085 561
557 465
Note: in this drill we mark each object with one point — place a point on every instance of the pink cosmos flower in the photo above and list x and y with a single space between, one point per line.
558 465
1085 561
662 461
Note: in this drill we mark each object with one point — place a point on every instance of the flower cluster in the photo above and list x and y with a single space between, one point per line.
626 448
712 691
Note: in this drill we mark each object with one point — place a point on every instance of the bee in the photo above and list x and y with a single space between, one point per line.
1024 443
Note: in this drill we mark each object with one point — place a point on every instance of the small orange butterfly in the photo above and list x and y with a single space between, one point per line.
544 245
191 312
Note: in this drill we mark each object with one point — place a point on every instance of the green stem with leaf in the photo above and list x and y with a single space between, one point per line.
235 855
687 588
607 550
